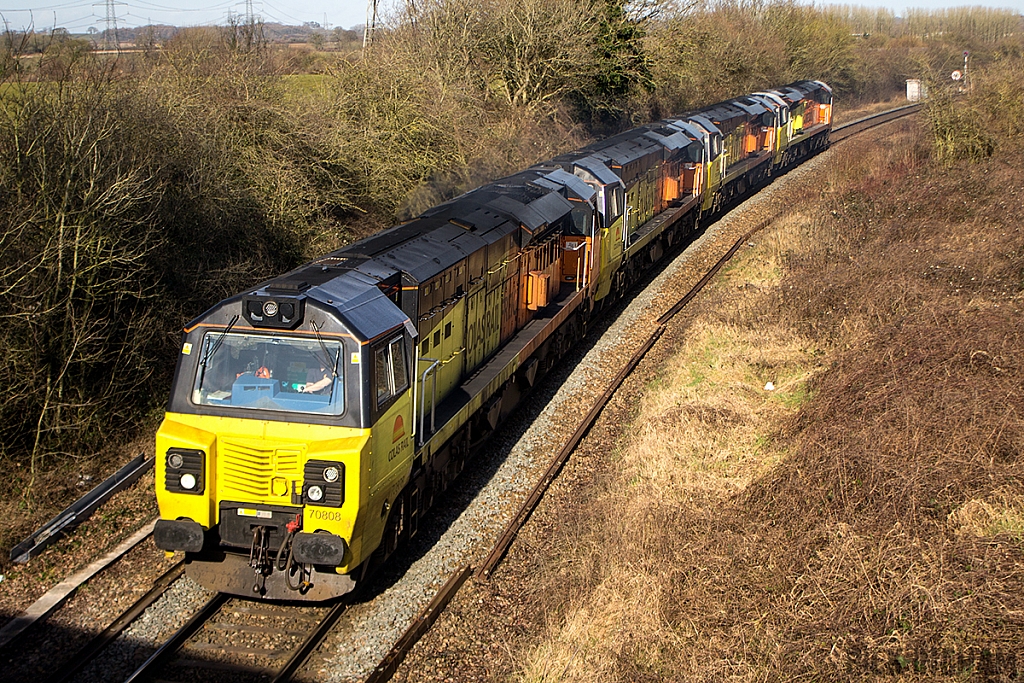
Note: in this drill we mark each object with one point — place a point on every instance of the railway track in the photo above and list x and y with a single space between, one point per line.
109 634
848 130
234 639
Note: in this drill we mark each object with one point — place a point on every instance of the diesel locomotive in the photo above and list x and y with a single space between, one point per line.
316 417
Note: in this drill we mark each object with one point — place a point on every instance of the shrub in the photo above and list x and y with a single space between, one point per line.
79 200
957 129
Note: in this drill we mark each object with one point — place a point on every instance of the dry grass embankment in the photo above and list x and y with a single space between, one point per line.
865 518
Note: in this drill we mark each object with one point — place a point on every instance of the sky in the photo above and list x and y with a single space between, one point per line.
79 15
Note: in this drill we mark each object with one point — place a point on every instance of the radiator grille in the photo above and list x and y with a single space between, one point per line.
247 468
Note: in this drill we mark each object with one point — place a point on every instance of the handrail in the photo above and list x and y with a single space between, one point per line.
433 403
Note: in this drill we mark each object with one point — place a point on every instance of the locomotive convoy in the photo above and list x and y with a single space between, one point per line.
315 418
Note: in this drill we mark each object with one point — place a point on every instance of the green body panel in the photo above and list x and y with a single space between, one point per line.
733 146
447 345
798 118
452 351
492 320
781 143
641 200
476 328
388 466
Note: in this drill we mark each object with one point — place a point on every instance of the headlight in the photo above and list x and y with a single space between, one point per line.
323 483
185 471
270 309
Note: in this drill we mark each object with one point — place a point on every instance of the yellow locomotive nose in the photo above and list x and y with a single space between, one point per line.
219 479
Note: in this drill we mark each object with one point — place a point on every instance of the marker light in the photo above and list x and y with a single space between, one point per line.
270 309
331 474
175 460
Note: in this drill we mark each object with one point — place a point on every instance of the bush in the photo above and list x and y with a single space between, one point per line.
966 125
724 49
956 129
79 200
130 199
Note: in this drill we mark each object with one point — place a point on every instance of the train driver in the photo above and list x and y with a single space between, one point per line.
317 380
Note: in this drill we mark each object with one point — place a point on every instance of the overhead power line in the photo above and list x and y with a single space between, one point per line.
110 38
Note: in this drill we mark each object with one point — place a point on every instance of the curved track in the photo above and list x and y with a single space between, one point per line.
386 669
852 128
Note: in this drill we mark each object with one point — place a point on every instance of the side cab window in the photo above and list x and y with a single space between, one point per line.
390 371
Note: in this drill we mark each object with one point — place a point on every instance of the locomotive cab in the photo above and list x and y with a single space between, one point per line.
267 454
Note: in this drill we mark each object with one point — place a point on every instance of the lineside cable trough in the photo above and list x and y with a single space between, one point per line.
80 510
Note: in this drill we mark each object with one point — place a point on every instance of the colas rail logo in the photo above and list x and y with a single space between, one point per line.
399 430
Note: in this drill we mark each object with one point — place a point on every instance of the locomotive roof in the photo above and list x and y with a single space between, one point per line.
749 105
617 156
598 169
364 308
335 282
629 151
686 128
557 179
800 90
669 138
706 124
724 115
432 252
382 241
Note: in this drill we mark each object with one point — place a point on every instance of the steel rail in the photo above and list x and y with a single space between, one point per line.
102 640
178 638
512 530
54 598
80 510
178 642
315 637
848 130
420 625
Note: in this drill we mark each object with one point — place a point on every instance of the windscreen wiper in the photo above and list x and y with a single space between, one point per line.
334 367
216 344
